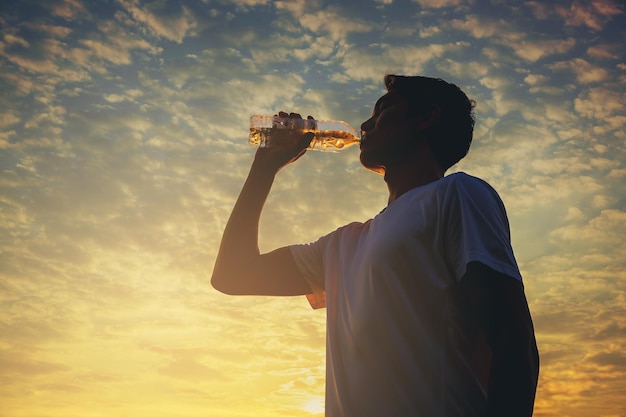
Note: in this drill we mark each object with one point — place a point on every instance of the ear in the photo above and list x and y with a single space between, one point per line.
428 118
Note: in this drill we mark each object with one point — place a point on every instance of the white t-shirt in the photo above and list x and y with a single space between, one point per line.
398 344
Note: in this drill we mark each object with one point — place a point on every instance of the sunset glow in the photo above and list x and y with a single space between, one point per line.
123 146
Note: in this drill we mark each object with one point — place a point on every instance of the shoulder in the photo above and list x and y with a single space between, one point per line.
350 228
466 181
348 231
465 187
471 197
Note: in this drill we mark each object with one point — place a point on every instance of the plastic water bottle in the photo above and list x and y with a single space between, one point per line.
329 135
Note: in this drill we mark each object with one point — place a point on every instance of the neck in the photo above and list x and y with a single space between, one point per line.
403 178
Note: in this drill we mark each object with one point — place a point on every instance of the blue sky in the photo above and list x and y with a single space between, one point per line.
123 145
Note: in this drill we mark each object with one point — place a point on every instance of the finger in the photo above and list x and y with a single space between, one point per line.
295 115
306 139
283 114
310 117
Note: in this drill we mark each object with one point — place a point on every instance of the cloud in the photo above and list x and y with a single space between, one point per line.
586 73
51 30
107 52
611 331
278 49
604 51
542 84
129 95
478 27
592 16
249 3
12 39
462 69
298 8
606 230
115 98
162 18
504 33
540 10
52 114
373 62
63 62
599 103
69 9
614 359
579 15
534 51
335 23
429 31
8 119
607 7
189 368
123 145
572 165
438 4
42 66
18 366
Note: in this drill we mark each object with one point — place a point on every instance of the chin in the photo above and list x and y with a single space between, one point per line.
371 165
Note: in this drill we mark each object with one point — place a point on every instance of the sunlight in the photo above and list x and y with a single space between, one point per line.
124 130
314 405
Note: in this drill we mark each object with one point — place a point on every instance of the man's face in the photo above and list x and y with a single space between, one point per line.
388 135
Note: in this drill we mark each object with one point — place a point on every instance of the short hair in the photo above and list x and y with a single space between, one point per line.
451 136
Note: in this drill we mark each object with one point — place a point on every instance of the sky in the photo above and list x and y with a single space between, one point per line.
123 147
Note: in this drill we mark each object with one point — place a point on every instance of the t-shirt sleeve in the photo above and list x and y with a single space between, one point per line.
477 228
309 259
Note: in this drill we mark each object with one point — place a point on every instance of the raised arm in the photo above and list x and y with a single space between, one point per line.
499 305
240 268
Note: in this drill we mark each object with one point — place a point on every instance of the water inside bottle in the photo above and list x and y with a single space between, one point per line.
327 140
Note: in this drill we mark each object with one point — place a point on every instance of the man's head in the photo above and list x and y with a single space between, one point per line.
450 135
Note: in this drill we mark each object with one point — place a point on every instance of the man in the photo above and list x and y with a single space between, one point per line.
426 312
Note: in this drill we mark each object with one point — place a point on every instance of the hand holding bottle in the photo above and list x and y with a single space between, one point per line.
287 144
329 135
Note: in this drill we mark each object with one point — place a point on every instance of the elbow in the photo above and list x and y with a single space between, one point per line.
216 284
224 289
234 278
221 284
221 279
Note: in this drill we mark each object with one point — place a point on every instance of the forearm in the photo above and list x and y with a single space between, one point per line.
513 378
498 304
239 267
240 239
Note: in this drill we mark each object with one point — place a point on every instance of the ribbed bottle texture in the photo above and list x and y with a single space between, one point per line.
329 135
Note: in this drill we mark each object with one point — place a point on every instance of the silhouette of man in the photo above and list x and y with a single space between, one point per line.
426 312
